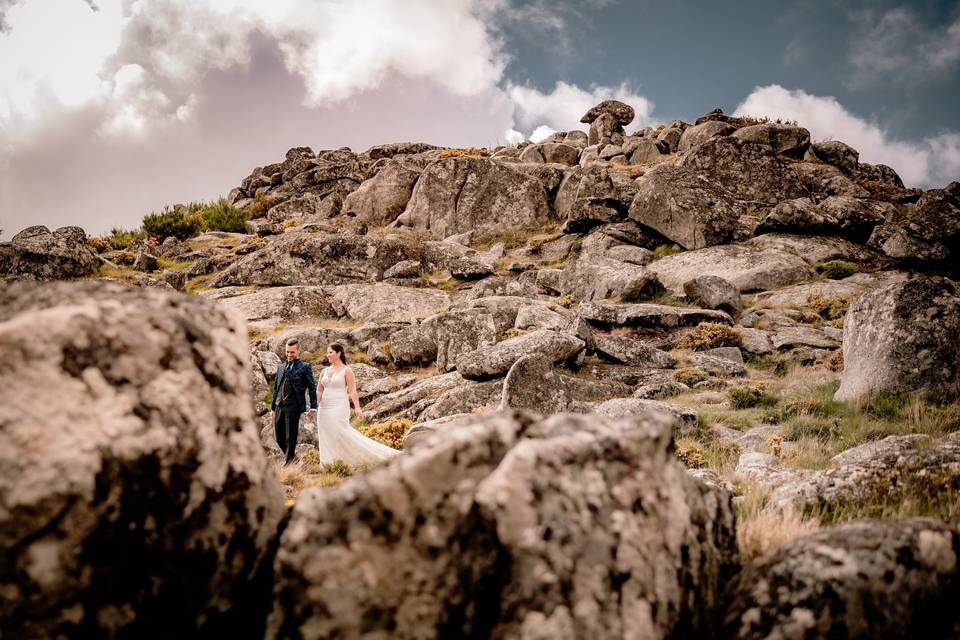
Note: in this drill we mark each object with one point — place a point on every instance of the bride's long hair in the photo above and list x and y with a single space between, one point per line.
339 349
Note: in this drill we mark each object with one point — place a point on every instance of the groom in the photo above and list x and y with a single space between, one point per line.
294 377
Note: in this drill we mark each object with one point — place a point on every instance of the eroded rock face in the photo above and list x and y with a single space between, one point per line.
902 338
745 170
780 138
680 204
622 113
38 253
494 360
382 198
928 232
138 503
867 579
698 134
314 259
568 527
713 292
837 215
474 194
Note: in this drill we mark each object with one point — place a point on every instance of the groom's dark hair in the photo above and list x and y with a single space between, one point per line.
293 342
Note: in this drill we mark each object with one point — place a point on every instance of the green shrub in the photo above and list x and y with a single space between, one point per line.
710 335
168 223
119 238
338 468
689 377
837 269
217 216
828 308
749 396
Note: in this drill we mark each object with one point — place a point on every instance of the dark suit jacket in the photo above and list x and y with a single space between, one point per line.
300 380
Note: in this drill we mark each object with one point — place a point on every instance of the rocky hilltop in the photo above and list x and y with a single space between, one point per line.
696 381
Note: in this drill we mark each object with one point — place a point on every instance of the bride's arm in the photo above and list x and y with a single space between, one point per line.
352 389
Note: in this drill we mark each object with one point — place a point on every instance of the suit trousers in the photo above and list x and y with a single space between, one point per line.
286 426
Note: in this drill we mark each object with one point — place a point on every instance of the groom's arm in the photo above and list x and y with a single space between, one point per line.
311 387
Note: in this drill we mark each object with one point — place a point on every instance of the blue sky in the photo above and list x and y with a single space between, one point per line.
110 109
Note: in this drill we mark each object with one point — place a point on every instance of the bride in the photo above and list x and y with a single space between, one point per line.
336 439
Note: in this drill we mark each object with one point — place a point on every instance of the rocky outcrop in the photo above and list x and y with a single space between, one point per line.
474 194
502 504
495 360
698 134
928 232
659 316
713 292
902 338
836 215
744 170
683 206
139 503
786 139
36 253
866 579
532 384
382 198
888 473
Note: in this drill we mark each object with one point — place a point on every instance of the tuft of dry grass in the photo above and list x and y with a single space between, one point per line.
710 335
632 170
462 153
690 451
761 531
389 432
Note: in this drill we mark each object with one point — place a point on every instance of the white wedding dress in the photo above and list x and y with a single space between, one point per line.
336 439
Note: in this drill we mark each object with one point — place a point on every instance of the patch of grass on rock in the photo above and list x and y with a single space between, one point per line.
837 269
710 335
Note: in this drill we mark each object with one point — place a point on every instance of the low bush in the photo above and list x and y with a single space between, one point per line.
837 269
186 221
828 308
710 335
338 468
689 377
690 453
119 238
388 432
749 396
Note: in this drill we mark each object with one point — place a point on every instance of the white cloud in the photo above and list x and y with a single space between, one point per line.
898 45
932 161
542 133
140 62
562 108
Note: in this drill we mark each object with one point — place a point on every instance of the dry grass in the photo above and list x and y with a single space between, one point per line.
691 453
761 530
632 170
665 250
710 335
388 432
462 153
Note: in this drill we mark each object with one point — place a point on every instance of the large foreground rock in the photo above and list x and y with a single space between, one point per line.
135 497
38 253
868 579
902 338
455 195
565 528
